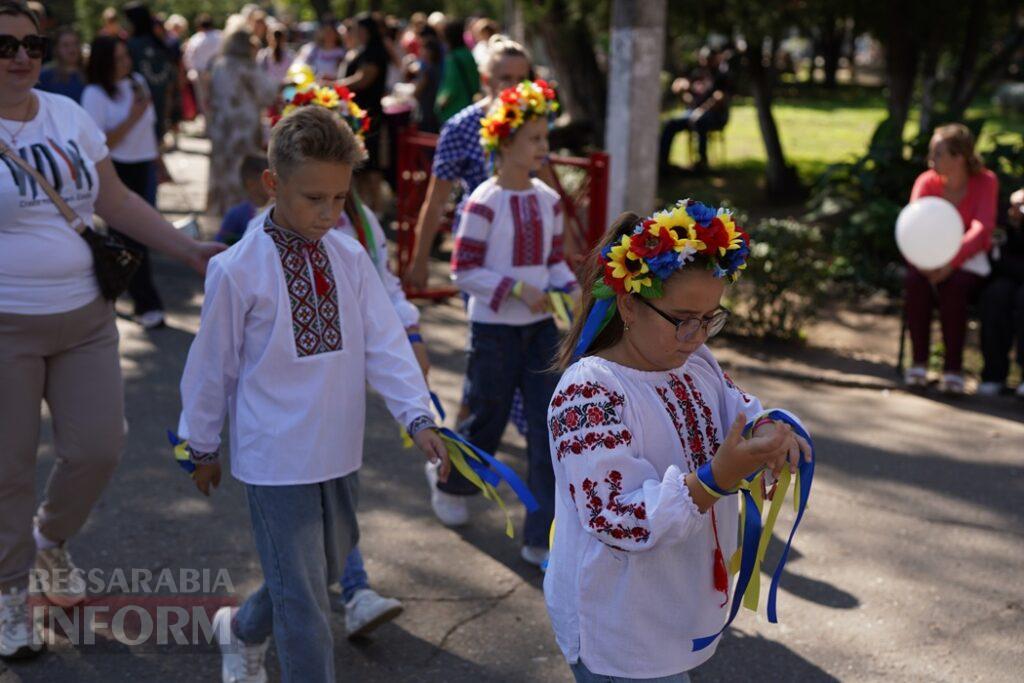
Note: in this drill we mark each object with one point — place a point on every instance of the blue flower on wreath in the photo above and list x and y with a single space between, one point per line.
664 264
732 261
701 213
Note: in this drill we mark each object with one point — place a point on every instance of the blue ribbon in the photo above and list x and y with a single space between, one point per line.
438 406
752 536
596 321
176 441
496 471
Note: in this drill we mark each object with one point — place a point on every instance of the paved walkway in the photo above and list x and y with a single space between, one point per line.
907 566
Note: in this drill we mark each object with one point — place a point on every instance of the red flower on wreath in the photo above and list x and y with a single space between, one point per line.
647 243
343 92
715 236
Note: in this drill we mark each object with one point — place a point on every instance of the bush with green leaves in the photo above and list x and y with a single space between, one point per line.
786 281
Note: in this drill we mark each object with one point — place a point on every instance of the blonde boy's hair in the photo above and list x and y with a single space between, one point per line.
312 134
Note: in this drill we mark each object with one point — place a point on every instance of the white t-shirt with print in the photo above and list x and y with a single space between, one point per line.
45 266
139 144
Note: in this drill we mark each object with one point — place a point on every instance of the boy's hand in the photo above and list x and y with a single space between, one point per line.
429 441
537 300
206 475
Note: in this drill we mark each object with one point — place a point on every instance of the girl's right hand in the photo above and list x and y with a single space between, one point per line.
737 457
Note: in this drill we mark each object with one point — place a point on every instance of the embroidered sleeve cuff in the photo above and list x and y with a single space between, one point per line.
501 293
419 424
202 457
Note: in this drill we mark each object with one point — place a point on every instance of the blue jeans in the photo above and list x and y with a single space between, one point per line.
712 120
303 533
354 578
584 675
503 358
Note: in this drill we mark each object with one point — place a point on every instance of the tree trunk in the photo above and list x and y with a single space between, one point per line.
781 182
995 65
321 8
902 54
582 86
931 65
832 34
968 57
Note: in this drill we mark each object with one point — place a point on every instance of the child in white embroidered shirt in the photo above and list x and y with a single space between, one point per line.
508 255
295 322
636 570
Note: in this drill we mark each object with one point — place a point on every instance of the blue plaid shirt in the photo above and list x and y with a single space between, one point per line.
459 155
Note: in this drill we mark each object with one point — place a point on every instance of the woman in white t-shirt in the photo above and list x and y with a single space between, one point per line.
120 104
58 339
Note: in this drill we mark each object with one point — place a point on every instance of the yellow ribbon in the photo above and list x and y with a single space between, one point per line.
562 306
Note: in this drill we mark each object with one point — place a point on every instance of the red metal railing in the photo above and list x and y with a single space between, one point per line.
584 196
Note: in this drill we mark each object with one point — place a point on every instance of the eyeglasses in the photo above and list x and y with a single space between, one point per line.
687 327
35 46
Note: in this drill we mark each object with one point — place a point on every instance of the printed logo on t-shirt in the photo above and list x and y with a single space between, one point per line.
50 160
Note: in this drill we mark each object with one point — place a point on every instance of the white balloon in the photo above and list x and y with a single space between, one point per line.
929 232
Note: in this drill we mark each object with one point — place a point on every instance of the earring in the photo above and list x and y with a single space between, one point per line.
625 327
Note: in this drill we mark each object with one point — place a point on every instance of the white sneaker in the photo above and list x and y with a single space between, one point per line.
1020 390
916 377
240 663
20 635
535 555
990 389
150 320
367 610
952 384
452 510
62 582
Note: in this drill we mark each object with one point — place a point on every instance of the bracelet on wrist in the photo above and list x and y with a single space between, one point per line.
760 423
707 481
415 338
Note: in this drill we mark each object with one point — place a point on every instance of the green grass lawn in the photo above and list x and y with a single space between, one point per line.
817 128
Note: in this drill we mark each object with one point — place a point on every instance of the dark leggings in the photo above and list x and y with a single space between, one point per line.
140 178
952 296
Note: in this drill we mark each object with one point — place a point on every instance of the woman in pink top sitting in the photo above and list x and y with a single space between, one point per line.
955 173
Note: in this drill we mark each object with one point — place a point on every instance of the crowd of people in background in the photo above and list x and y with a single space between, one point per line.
422 70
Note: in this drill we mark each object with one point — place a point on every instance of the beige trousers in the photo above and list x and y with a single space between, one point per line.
71 361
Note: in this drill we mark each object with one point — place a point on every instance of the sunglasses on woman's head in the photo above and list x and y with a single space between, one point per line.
35 46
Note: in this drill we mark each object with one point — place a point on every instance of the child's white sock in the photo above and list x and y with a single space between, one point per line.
42 542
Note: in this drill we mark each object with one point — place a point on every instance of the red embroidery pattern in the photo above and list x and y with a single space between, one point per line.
593 416
673 412
587 390
528 249
468 254
557 254
500 292
621 529
482 210
590 441
710 430
732 385
312 292
694 439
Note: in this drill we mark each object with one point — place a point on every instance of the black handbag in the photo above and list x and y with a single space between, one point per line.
114 262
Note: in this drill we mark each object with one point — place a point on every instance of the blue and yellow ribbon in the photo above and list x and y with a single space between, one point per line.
482 469
181 455
746 562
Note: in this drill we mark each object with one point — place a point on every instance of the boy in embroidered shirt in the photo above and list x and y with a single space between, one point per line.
508 256
295 322
637 423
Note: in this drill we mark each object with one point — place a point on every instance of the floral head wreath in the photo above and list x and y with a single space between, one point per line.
658 246
514 107
304 91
